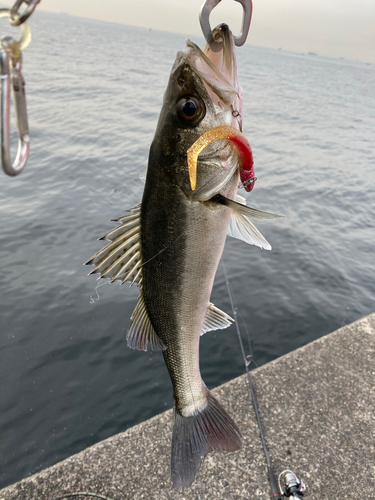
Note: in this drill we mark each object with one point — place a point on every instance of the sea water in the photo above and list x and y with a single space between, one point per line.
94 93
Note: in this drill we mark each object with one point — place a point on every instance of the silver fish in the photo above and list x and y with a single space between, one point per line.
170 245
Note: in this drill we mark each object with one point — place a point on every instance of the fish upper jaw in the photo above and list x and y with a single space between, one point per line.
218 72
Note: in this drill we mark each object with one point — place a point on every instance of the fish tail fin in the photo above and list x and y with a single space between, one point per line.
195 436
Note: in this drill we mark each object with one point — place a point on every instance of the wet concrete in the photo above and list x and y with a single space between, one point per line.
317 407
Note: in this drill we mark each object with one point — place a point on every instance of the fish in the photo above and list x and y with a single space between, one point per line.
171 243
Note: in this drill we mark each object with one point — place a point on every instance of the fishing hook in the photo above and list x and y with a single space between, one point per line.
204 20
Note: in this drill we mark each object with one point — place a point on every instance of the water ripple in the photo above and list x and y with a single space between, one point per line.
310 121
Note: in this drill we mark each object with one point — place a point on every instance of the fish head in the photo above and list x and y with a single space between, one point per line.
203 93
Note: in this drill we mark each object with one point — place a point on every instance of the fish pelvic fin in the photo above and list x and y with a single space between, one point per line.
241 228
195 436
215 319
121 258
141 332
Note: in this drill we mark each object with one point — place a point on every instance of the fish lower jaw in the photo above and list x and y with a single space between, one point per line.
194 408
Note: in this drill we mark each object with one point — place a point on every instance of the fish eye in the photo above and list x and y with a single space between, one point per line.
190 110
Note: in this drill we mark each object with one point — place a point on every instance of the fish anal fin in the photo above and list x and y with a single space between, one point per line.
141 332
195 436
215 319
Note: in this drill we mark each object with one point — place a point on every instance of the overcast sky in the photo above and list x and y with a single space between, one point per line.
334 28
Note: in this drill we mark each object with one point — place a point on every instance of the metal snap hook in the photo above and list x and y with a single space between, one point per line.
11 76
15 78
25 39
204 15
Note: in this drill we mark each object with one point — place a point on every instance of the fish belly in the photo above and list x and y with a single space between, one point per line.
182 242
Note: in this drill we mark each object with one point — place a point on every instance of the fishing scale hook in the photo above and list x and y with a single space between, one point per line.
12 81
204 20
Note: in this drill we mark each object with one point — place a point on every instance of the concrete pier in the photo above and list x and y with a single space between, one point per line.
317 405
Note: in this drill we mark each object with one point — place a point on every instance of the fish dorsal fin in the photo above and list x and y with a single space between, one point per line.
141 332
215 319
241 228
121 258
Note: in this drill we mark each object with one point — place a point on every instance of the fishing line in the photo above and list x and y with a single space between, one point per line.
294 488
162 250
248 340
247 361
92 301
81 494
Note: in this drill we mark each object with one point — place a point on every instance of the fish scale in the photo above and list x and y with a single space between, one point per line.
183 290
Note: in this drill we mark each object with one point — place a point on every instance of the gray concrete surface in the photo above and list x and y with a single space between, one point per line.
317 406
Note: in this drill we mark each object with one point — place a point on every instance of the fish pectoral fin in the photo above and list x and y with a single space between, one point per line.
121 258
241 207
241 228
215 319
141 332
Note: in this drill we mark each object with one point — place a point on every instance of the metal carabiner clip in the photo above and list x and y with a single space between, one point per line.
11 76
15 78
204 20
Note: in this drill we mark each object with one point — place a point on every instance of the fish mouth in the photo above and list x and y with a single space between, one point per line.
218 73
